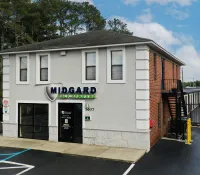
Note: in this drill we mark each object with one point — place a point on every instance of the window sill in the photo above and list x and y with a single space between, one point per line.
90 82
116 81
22 83
43 83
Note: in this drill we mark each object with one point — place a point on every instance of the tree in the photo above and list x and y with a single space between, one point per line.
19 35
76 17
47 28
91 17
5 16
118 26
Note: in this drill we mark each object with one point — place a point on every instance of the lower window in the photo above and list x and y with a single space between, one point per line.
33 121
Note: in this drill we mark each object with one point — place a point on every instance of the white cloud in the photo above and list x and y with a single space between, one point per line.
189 55
179 44
154 31
146 16
177 14
165 2
131 2
185 39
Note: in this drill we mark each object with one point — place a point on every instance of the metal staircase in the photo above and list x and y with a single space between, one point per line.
174 97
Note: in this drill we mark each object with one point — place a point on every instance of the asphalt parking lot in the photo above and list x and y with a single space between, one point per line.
166 158
41 162
171 158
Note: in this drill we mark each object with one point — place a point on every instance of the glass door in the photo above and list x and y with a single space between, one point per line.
33 121
66 122
26 120
70 122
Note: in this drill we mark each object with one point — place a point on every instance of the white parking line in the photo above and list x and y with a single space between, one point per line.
129 169
14 167
28 167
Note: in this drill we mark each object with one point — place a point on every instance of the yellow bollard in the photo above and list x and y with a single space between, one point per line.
189 132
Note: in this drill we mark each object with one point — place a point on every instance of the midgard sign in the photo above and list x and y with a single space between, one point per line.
54 93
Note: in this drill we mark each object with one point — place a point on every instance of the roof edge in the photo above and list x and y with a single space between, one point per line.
168 53
75 48
100 46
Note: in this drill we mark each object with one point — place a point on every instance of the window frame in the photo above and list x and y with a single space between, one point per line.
18 102
42 69
84 70
18 69
109 65
38 68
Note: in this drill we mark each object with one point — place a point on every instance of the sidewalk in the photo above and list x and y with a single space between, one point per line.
121 154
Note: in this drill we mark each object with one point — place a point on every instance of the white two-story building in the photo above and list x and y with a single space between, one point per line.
90 88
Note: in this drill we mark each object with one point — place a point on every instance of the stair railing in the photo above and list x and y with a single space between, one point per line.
182 97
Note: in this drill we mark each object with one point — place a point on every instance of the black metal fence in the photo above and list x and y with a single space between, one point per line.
195 116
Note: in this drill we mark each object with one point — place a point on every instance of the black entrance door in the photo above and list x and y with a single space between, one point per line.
70 122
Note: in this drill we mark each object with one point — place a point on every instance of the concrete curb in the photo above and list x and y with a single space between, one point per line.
99 152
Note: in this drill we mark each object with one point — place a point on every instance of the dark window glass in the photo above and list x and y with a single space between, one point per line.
33 121
116 65
41 114
155 66
23 68
26 114
44 68
26 131
90 66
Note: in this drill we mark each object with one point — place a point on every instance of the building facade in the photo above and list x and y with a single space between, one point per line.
162 71
103 93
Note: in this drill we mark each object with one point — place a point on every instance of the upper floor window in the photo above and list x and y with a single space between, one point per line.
90 72
155 66
22 69
116 65
43 68
90 66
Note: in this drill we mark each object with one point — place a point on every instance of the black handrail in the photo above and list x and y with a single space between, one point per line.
182 97
169 84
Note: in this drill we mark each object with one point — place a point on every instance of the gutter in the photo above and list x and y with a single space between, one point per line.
168 53
99 46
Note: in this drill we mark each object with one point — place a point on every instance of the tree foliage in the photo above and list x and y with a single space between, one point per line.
118 26
191 83
28 21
